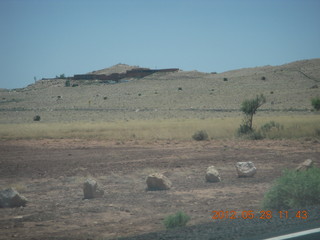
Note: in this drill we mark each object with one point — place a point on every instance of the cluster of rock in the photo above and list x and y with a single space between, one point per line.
158 181
11 198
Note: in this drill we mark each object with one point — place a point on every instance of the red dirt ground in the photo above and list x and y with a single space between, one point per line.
50 174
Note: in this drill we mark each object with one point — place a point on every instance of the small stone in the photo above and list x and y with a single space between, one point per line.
91 189
212 175
305 165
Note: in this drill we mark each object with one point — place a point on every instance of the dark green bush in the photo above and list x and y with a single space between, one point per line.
244 129
179 219
36 118
315 102
255 135
200 135
248 133
249 107
67 83
294 189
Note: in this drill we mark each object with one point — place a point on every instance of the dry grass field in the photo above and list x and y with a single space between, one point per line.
294 127
120 133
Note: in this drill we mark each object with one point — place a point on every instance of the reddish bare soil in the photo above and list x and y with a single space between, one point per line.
50 173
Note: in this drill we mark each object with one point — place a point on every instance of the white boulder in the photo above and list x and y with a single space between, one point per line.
246 169
212 174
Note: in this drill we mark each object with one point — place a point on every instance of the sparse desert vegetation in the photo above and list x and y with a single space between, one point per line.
316 103
119 133
180 219
273 127
294 189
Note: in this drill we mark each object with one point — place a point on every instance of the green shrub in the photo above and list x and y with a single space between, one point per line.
315 102
294 189
249 107
67 83
36 118
200 135
269 127
244 129
179 219
246 132
255 135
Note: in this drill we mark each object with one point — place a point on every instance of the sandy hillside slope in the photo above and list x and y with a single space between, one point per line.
182 94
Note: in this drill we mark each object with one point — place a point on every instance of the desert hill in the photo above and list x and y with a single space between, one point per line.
182 94
118 68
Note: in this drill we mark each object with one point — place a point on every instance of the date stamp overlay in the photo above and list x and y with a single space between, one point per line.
263 215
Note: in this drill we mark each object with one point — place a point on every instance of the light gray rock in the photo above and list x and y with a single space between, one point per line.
305 165
91 189
212 175
246 169
10 198
157 181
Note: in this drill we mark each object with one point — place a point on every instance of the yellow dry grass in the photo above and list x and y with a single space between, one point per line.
168 129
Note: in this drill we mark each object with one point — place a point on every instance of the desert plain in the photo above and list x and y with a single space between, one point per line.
118 133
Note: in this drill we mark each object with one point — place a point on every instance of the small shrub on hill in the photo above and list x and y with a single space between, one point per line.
67 83
294 189
179 219
36 118
315 102
200 135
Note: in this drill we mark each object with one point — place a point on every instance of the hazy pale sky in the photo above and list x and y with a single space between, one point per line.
45 38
